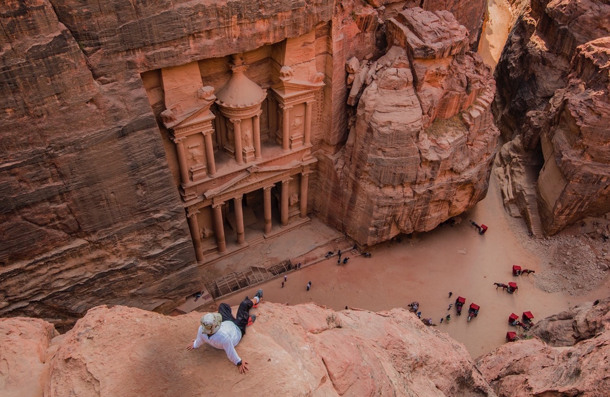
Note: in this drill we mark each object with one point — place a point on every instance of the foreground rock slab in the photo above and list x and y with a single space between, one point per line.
291 350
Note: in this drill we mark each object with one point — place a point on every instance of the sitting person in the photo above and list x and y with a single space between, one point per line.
223 331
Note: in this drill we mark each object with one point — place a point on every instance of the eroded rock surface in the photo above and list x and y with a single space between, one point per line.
297 350
90 212
423 139
553 92
291 350
532 367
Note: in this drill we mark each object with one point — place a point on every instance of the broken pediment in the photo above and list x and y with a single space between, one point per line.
251 176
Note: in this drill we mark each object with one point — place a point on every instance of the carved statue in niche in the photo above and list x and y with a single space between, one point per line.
195 154
247 133
293 199
298 120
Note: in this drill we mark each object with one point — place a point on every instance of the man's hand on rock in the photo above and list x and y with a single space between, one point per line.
243 368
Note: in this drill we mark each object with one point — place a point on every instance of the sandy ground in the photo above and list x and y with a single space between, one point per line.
426 267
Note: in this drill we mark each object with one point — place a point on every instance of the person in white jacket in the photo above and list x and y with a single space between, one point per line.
223 331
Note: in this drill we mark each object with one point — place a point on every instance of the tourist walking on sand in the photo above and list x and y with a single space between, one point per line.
223 331
308 285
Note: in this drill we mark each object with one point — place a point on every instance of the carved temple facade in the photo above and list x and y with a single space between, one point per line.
240 129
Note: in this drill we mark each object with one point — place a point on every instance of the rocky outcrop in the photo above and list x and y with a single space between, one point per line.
575 324
553 80
296 350
291 350
423 139
90 210
532 367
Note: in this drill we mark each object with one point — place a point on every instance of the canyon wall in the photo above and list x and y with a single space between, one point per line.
553 102
90 212
299 350
93 209
422 140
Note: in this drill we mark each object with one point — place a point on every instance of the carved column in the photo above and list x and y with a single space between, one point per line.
219 229
184 172
239 156
195 233
308 110
267 207
209 151
239 220
257 136
286 127
304 191
284 205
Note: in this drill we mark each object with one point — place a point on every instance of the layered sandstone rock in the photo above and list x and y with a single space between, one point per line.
423 140
553 92
90 211
298 350
578 367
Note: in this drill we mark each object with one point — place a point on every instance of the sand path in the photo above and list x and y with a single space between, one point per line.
426 267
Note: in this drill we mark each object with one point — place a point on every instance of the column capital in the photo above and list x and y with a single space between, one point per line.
178 139
207 131
285 107
235 121
286 180
216 204
191 212
268 187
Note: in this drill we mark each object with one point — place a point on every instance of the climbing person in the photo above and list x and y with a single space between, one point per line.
223 331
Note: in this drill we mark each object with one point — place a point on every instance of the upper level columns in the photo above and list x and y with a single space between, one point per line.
239 155
308 112
184 173
209 151
286 127
257 135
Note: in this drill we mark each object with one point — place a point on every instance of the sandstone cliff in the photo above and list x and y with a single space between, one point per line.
90 212
553 97
422 140
292 351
